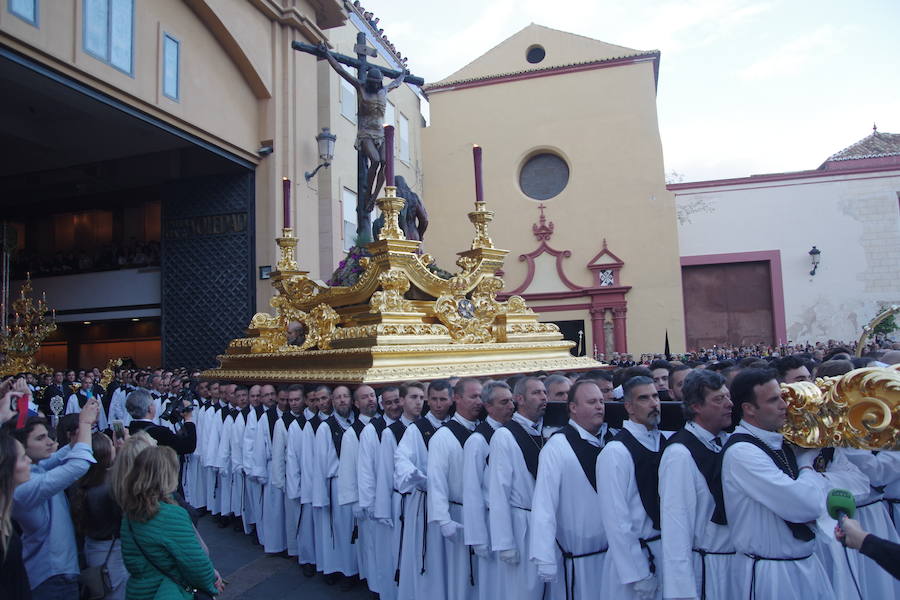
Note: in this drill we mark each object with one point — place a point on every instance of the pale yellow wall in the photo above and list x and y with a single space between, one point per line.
603 122
342 173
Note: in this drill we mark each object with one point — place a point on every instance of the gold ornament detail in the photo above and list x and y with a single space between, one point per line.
320 326
860 409
109 372
480 218
20 342
394 284
869 328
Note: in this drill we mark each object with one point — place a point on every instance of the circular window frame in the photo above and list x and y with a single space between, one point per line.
533 47
530 154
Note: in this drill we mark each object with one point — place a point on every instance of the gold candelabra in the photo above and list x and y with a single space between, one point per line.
19 343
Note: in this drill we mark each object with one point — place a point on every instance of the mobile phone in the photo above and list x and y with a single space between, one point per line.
118 428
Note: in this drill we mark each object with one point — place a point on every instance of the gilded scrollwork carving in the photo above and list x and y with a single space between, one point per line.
320 326
860 409
394 283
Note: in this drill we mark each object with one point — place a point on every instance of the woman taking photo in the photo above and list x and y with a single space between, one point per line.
15 469
161 552
42 510
97 517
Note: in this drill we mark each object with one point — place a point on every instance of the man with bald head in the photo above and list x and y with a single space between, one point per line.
252 489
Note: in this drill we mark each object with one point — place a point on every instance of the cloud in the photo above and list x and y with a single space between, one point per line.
794 56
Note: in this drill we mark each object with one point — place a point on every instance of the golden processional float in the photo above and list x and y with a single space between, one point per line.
400 320
20 341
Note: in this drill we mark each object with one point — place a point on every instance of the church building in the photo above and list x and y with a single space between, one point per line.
573 169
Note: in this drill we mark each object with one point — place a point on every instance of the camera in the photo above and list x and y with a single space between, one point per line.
174 412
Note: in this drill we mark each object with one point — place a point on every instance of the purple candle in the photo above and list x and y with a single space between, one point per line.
389 155
479 190
286 187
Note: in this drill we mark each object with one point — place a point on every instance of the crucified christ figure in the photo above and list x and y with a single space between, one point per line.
371 101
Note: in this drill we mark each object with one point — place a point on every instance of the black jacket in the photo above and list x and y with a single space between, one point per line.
183 442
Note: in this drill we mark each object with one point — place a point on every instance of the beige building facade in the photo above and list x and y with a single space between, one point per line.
573 169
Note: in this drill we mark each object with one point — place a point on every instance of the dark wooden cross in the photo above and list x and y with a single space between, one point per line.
360 63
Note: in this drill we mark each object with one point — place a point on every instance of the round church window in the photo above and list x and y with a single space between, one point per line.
544 176
535 54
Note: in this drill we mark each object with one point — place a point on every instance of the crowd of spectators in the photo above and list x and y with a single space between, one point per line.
109 257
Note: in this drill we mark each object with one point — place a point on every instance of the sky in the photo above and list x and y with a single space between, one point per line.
745 86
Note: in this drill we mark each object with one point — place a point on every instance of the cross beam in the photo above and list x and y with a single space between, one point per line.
356 63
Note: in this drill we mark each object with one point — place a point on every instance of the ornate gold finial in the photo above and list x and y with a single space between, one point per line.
480 219
391 206
19 343
869 328
287 244
109 372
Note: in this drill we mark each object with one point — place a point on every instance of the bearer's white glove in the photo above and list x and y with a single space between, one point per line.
645 589
450 529
370 512
510 557
805 458
481 550
546 571
386 522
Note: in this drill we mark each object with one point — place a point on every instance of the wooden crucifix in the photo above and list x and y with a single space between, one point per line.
371 99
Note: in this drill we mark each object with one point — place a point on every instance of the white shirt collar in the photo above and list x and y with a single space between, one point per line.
706 437
309 414
494 423
279 412
388 421
529 425
434 420
771 438
470 425
366 420
344 423
406 422
296 416
587 436
647 437
323 416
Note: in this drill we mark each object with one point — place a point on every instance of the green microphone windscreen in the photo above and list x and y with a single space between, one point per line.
840 501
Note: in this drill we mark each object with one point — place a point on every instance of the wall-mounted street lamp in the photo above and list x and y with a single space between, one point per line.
325 141
814 258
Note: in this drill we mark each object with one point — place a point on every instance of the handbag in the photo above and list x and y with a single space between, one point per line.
194 592
95 582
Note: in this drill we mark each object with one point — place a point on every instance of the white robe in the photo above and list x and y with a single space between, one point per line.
270 530
686 507
366 473
759 497
624 517
388 509
338 553
223 465
445 496
307 485
874 516
211 437
348 494
237 464
892 486
488 584
422 558
565 507
510 492
280 480
301 516
73 407
117 410
252 488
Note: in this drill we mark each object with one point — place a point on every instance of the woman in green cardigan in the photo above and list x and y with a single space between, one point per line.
159 546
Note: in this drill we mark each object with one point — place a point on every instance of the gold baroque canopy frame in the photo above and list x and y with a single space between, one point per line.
399 321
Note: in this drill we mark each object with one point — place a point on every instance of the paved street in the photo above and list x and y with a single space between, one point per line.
253 575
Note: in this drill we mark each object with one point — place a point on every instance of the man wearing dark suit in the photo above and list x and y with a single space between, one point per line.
140 406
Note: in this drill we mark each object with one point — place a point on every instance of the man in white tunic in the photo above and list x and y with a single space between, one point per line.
514 452
445 487
389 501
252 489
566 534
696 546
211 432
771 497
238 484
270 530
498 402
194 476
222 460
304 531
308 474
365 404
338 553
422 559
281 468
78 399
628 471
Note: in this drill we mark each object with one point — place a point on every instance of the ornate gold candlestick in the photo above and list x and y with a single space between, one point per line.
19 343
